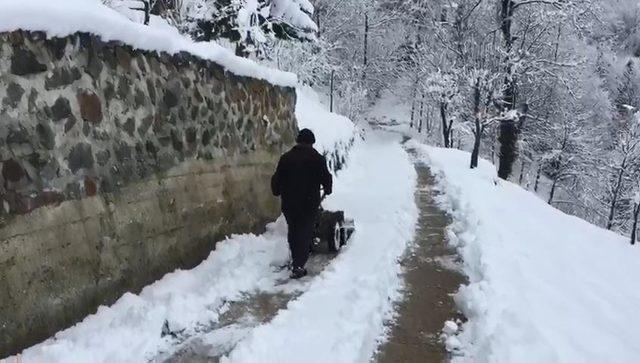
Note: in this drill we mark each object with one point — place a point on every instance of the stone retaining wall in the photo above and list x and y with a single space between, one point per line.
118 166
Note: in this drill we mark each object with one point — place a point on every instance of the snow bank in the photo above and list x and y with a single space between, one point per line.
63 18
334 133
340 317
544 286
130 330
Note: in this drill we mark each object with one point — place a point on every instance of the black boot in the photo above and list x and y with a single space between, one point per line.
298 272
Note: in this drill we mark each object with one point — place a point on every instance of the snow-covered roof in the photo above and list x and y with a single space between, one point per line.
63 18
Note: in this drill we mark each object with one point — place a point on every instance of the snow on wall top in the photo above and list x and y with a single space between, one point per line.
331 130
63 18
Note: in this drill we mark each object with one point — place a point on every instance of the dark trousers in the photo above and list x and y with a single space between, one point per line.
300 235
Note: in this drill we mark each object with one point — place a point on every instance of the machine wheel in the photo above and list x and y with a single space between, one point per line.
336 239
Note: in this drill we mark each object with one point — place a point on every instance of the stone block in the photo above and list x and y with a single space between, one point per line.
90 106
24 63
61 109
80 157
14 95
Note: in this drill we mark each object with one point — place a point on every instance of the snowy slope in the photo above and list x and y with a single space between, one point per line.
62 18
544 286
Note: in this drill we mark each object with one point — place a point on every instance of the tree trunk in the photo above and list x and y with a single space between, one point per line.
241 51
147 12
508 129
493 151
161 7
616 193
413 110
634 229
553 190
557 172
450 131
508 153
476 145
521 173
366 39
478 131
445 127
535 187
421 113
331 93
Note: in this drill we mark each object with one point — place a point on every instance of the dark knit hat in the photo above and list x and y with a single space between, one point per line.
306 136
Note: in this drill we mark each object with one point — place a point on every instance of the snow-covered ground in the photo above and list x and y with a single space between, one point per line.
339 316
62 18
131 329
544 286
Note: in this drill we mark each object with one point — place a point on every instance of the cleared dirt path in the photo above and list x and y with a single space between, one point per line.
430 279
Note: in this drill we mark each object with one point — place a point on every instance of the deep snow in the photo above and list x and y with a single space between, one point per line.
544 286
62 18
339 316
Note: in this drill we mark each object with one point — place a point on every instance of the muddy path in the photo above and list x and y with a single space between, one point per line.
431 277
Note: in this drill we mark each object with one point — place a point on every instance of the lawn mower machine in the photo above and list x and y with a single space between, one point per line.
332 231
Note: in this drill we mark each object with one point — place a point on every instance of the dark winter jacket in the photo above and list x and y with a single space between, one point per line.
300 173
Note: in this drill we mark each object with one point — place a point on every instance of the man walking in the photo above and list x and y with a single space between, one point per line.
300 173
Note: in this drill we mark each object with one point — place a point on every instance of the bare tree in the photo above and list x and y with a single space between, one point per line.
636 215
626 157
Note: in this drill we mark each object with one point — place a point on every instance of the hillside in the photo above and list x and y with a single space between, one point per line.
544 286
